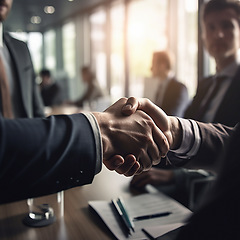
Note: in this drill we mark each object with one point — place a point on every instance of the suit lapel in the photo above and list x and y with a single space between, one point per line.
201 93
231 99
18 68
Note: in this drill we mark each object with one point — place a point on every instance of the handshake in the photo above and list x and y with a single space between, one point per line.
136 134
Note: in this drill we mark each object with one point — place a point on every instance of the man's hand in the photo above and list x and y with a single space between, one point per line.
169 125
130 143
155 177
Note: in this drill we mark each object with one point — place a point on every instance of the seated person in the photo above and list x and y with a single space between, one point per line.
93 91
50 90
169 94
223 107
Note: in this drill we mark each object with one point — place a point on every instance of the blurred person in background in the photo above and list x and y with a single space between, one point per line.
93 90
50 90
170 94
20 96
217 99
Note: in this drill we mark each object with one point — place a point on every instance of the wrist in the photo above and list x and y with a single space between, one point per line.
176 132
103 126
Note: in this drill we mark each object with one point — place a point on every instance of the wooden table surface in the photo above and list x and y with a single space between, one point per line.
79 221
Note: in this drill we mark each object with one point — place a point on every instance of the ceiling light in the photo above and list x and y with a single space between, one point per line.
36 19
49 9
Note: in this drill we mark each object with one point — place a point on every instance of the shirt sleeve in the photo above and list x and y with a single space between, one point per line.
190 144
98 140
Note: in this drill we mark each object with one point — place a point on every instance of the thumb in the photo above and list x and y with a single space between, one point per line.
130 107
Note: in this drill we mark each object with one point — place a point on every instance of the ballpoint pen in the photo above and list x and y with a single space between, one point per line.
156 215
121 216
125 213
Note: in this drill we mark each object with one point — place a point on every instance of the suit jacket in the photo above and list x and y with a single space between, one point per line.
214 138
43 156
219 215
175 99
29 102
228 111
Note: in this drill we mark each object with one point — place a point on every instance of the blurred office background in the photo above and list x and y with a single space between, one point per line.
116 37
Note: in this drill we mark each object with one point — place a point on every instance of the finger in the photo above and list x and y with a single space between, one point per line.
133 170
145 160
156 113
114 162
162 142
139 171
129 161
121 102
130 107
154 152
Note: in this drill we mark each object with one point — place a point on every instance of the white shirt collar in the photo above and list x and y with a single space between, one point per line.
230 70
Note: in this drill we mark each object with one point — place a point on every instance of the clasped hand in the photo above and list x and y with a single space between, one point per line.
132 140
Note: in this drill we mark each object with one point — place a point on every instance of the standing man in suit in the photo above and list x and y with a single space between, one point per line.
171 95
220 21
17 64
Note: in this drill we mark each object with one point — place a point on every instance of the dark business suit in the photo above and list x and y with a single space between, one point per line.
42 156
228 111
28 101
175 99
219 215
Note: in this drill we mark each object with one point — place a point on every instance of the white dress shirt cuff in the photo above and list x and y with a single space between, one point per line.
191 139
98 140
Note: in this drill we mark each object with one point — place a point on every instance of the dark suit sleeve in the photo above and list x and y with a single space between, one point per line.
44 156
214 139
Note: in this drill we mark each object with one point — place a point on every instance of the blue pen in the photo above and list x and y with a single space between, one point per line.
124 211
121 216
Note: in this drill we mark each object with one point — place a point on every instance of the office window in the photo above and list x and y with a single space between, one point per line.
117 78
35 47
22 36
69 58
146 33
69 49
98 45
34 42
187 45
49 49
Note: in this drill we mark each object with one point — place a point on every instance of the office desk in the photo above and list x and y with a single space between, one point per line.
78 223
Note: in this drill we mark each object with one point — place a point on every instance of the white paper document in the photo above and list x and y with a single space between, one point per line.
144 204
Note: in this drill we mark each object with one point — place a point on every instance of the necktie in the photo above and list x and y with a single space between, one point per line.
5 93
204 108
